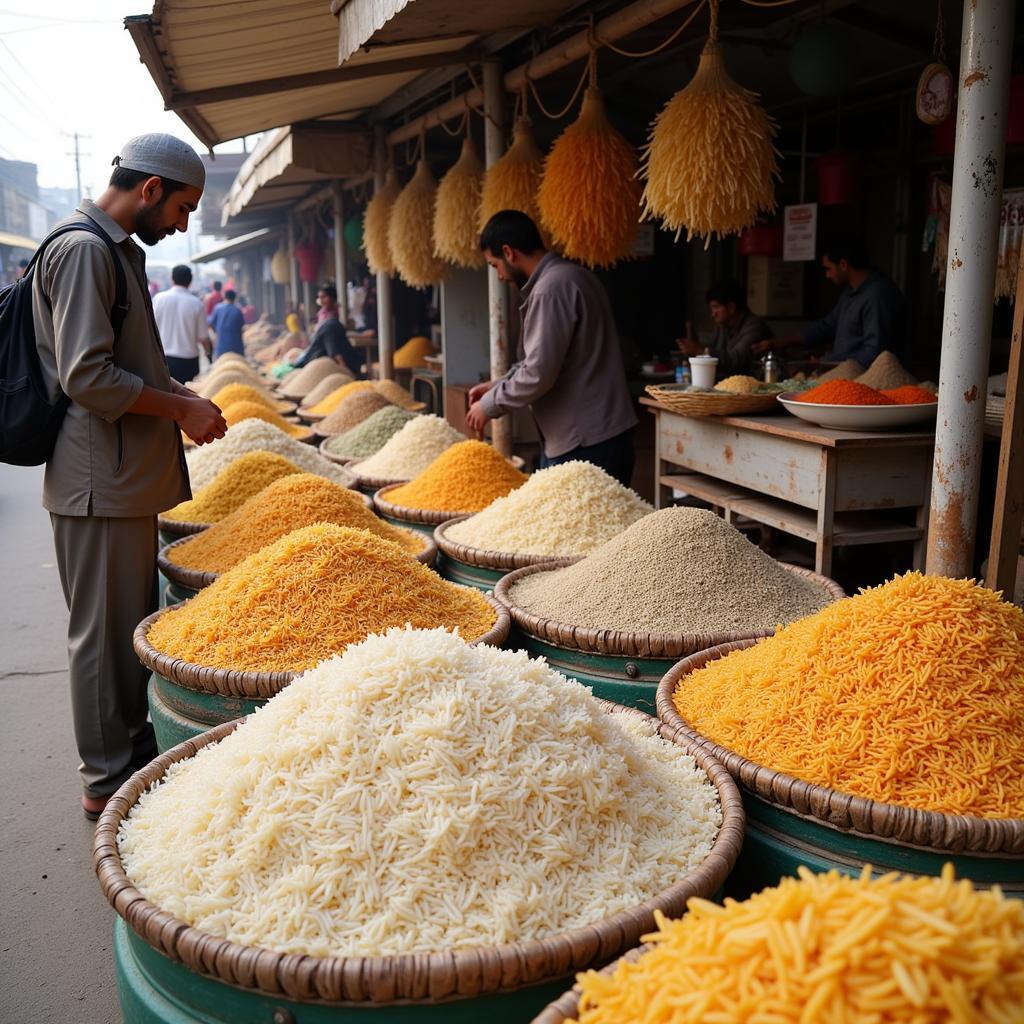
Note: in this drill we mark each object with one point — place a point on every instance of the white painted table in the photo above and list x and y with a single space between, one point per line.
834 488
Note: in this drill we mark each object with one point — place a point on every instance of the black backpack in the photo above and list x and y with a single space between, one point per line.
29 423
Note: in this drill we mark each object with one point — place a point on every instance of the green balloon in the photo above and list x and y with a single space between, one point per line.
354 233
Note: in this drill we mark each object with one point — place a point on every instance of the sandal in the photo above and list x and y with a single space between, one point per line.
92 806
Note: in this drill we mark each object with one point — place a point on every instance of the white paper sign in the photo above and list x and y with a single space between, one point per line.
799 232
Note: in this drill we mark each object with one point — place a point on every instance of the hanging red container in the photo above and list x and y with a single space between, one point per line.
839 177
309 257
761 240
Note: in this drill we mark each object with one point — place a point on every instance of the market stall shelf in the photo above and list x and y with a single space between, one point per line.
619 666
168 971
832 487
792 822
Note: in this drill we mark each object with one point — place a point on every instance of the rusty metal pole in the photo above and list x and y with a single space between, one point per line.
340 275
970 283
385 322
497 292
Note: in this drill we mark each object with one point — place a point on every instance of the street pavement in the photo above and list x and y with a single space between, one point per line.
56 961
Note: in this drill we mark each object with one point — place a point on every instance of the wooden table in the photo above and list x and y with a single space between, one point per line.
834 488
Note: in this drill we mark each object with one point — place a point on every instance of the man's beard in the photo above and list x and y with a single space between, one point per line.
148 226
519 277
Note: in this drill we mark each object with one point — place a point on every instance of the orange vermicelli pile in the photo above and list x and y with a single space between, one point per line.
232 487
844 392
826 949
465 478
308 596
239 411
910 394
294 501
238 392
911 693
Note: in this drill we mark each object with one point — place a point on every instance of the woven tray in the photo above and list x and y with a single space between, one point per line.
924 830
376 482
258 685
426 979
698 403
507 560
338 460
179 528
310 417
410 515
620 643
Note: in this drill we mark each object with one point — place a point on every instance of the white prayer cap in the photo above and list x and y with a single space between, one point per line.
164 155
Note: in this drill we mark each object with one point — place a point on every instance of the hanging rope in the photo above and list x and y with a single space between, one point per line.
463 125
640 54
768 3
713 29
939 45
572 99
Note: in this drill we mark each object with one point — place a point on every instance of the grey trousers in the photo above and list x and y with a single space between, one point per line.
108 572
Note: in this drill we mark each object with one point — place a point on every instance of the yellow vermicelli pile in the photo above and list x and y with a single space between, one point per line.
827 949
409 452
710 164
256 436
288 504
375 226
514 181
233 373
308 596
569 509
239 411
231 393
589 198
411 231
464 478
456 209
396 394
323 389
300 384
911 693
413 353
418 795
232 487
327 405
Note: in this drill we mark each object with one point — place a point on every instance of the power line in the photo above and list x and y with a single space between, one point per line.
53 18
77 154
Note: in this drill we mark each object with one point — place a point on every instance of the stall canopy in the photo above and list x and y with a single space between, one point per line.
234 69
289 161
17 241
240 243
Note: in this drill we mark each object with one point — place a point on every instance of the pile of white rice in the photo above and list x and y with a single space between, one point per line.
253 435
411 450
569 509
417 795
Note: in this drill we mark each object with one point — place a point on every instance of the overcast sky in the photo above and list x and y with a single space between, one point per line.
67 66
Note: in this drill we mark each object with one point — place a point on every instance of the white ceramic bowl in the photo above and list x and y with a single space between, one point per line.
859 417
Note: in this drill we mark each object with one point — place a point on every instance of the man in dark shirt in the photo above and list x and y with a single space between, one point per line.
227 322
331 339
737 330
869 318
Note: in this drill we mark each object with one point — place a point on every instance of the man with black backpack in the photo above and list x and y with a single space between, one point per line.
117 460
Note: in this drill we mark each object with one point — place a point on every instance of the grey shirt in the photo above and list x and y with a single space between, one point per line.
732 345
107 461
864 322
570 369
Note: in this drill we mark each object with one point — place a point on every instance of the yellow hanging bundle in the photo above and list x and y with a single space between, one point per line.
375 226
589 198
411 231
456 238
696 184
513 182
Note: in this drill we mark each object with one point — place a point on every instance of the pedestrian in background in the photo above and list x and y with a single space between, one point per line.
182 325
215 297
118 460
227 322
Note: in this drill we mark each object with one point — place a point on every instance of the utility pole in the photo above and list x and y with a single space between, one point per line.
77 154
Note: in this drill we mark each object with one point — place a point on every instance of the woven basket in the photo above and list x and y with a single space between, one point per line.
410 515
706 403
256 685
620 643
179 528
423 978
507 560
310 417
924 830
338 460
367 482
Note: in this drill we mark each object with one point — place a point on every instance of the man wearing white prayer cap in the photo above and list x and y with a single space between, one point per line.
118 461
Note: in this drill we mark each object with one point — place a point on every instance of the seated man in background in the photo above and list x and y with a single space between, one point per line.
737 331
331 338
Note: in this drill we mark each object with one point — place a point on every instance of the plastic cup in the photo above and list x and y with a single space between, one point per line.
703 370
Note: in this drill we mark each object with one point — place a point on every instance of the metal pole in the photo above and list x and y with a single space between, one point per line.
970 283
385 321
292 265
340 273
497 292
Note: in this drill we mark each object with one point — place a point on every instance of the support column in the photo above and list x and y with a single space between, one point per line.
292 264
970 283
497 292
340 274
385 321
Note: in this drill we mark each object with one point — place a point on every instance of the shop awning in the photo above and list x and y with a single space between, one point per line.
289 161
18 241
239 68
253 240
437 26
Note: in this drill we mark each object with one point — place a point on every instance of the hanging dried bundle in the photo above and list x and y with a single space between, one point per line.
710 161
411 231
456 238
375 226
512 183
589 198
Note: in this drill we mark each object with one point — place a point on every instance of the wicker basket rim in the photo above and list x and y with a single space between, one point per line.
623 642
409 515
931 831
485 558
195 579
711 404
179 527
376 482
425 978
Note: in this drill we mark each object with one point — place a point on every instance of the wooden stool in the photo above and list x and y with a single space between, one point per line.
431 381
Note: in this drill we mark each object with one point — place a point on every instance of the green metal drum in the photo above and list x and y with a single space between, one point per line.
175 593
179 714
156 990
457 571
